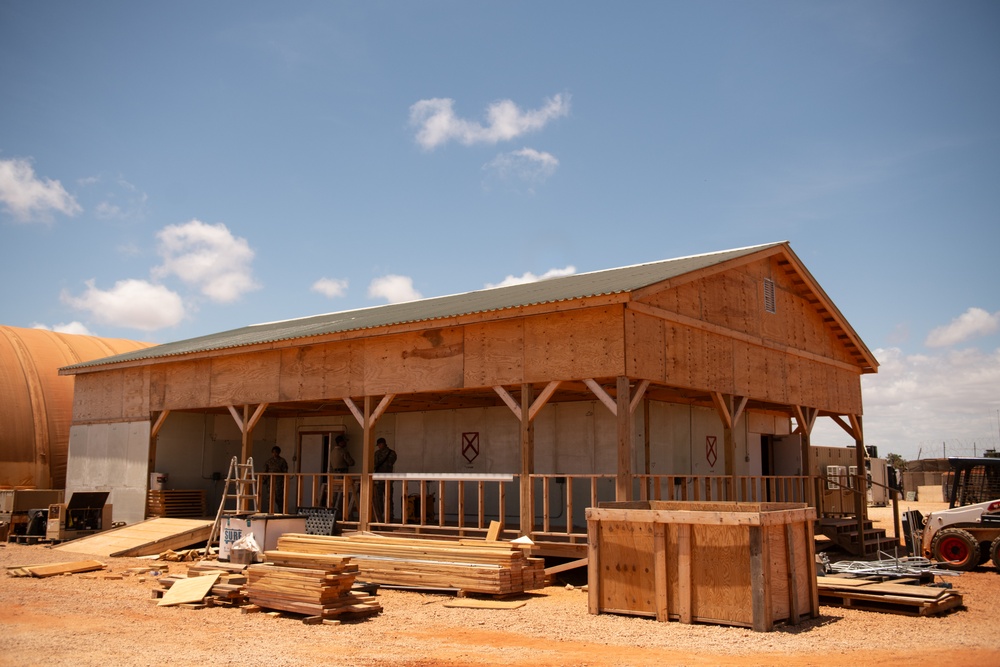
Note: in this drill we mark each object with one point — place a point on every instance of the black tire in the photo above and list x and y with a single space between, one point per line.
995 553
955 549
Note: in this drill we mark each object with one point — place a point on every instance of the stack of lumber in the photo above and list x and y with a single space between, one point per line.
226 589
473 566
179 503
316 585
909 599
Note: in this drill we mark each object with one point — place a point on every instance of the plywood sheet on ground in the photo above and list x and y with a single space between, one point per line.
148 538
189 591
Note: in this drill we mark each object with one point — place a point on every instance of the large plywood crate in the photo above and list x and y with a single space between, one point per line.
743 564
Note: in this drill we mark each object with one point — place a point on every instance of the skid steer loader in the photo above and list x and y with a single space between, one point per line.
967 534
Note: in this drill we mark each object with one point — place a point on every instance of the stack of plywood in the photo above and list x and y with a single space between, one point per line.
474 566
316 585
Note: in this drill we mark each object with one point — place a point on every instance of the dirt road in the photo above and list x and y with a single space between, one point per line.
72 620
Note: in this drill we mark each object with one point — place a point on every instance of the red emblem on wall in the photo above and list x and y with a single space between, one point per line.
470 446
711 454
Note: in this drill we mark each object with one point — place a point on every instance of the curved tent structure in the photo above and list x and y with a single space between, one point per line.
37 405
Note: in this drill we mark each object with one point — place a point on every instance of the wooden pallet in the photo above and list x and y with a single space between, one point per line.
891 598
179 503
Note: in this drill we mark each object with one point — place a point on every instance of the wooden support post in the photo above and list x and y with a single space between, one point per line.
623 482
793 575
759 585
684 585
527 496
246 450
154 433
644 495
367 464
593 566
861 481
660 575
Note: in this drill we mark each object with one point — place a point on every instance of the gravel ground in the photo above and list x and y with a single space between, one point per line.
73 620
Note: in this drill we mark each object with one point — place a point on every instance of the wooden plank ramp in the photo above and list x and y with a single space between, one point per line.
892 598
148 538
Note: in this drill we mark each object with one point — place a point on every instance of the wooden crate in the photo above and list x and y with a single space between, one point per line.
744 564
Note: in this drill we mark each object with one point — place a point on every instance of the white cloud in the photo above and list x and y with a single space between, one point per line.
74 327
29 198
437 123
527 165
972 323
529 277
916 402
330 287
394 289
136 304
208 257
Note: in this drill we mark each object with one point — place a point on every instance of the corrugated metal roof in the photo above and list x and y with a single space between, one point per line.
577 286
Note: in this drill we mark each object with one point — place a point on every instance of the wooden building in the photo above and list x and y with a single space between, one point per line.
693 377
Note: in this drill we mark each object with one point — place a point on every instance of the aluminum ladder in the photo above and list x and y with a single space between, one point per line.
241 487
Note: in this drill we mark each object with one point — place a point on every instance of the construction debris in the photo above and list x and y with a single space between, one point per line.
54 569
909 599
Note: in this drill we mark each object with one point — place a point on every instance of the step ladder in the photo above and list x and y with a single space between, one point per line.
241 488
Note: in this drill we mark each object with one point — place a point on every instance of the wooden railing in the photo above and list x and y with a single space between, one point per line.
466 504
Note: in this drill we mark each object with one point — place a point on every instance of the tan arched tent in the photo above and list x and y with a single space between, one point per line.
37 403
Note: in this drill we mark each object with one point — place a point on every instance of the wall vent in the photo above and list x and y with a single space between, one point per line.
769 304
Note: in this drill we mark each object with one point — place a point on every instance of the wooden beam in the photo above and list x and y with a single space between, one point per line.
806 417
723 409
381 407
527 498
602 395
637 397
367 464
158 424
543 398
623 482
509 400
257 414
740 407
839 421
236 416
246 450
354 411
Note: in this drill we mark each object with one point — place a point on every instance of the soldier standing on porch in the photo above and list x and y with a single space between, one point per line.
277 465
385 459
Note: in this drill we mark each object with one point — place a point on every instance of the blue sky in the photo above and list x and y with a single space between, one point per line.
169 170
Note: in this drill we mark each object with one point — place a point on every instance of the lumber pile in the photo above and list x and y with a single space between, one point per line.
316 585
226 589
909 599
473 566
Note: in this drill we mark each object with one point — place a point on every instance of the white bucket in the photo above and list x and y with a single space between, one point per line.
157 480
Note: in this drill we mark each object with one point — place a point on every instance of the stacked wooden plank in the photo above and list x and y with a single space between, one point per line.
226 590
182 503
894 598
474 566
316 585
